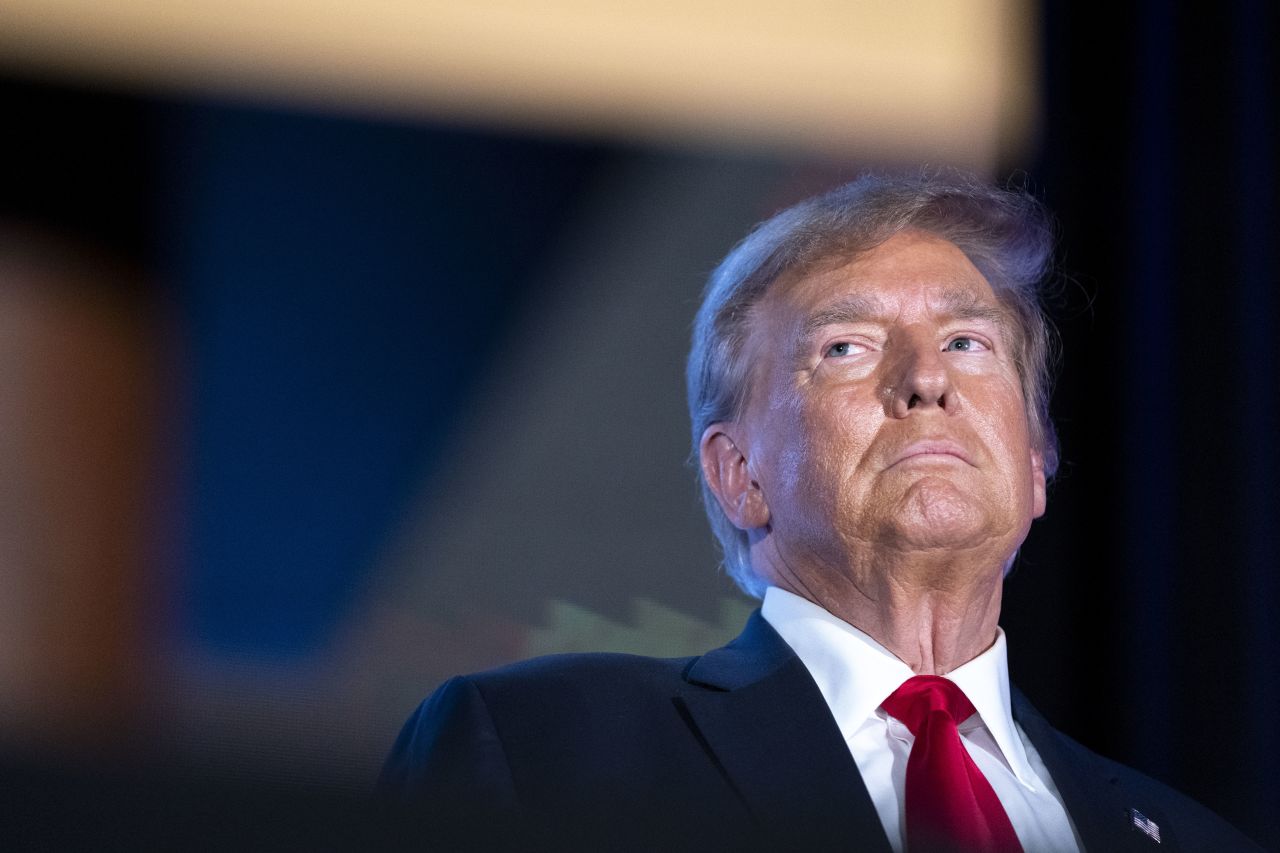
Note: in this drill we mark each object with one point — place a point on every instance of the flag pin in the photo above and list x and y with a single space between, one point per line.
1145 825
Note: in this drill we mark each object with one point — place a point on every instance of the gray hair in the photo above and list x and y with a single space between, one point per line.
1006 234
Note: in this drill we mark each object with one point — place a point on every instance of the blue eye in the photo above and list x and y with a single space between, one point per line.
962 345
841 349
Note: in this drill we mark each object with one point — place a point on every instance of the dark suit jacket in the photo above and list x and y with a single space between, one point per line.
733 750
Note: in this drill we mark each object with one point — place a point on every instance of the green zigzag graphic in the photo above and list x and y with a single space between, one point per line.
654 629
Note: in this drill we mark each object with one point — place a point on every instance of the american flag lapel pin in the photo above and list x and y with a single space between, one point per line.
1145 825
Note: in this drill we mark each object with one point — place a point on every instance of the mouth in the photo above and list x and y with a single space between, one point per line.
932 450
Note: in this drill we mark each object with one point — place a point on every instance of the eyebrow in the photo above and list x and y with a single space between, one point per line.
963 305
955 303
848 309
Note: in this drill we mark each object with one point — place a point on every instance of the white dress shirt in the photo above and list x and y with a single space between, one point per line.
855 674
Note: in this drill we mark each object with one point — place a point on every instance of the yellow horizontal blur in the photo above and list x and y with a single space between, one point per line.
934 79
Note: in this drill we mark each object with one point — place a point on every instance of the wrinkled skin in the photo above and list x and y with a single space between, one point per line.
883 467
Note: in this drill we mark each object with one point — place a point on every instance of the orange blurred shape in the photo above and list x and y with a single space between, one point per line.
77 380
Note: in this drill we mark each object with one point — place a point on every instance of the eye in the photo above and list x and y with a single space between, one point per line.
964 345
841 349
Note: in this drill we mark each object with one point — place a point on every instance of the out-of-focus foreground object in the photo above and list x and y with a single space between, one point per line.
76 420
940 80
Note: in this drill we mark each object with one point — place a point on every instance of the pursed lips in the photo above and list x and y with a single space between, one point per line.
932 449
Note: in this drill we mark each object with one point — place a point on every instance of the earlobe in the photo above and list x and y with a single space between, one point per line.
1038 484
727 472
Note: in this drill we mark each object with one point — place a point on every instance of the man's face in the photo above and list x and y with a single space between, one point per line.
886 412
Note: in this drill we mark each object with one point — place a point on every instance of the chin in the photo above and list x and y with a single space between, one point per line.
957 537
936 514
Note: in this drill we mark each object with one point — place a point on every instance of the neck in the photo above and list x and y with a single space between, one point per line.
934 613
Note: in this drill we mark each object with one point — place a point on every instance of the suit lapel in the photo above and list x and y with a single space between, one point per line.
762 717
1097 801
765 722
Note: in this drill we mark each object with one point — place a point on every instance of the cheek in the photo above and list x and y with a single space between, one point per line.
997 398
802 459
812 442
832 443
1005 427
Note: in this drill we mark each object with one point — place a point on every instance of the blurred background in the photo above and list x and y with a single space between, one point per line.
341 351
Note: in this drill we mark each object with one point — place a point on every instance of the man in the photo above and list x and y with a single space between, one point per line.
869 399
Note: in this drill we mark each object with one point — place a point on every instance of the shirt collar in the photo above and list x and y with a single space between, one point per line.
855 673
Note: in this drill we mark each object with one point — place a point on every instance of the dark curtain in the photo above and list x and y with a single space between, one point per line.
1142 611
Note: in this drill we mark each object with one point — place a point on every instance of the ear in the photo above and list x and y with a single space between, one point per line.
1038 488
727 472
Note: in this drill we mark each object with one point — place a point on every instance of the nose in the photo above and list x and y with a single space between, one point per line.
917 377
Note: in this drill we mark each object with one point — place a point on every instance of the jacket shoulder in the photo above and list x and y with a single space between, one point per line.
1087 779
581 702
594 672
1197 827
475 722
549 743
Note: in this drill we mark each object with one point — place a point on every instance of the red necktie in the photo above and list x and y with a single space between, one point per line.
950 804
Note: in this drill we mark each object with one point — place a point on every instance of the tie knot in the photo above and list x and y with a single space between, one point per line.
922 695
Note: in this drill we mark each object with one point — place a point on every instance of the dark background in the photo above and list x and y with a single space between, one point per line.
331 296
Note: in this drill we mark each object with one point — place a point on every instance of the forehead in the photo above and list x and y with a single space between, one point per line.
911 272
